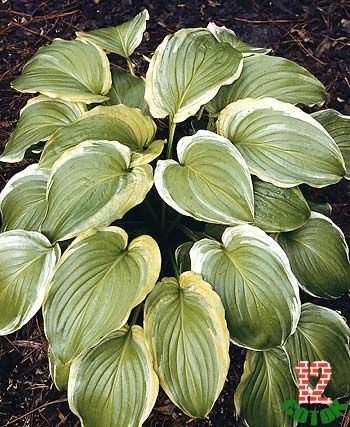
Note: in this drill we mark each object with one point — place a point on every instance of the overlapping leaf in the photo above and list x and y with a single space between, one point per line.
127 89
26 262
251 273
99 277
322 334
319 257
70 70
187 70
39 119
122 39
186 330
265 385
338 126
271 76
23 200
121 123
323 208
281 144
114 383
211 183
182 257
94 195
225 35
279 209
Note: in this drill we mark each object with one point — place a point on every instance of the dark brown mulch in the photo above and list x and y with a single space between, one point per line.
313 33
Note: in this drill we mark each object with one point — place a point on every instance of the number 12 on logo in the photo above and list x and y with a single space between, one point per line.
304 372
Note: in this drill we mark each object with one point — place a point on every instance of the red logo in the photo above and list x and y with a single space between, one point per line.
304 372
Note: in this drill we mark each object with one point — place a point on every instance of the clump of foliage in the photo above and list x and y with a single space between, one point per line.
226 193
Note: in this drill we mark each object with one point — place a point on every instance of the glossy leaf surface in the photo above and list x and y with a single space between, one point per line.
210 183
186 329
251 273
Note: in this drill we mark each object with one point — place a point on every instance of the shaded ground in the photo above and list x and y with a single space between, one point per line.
316 34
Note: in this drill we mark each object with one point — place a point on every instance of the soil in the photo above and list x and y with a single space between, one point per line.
316 34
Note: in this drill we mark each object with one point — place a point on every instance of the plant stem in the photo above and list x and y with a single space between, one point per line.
173 263
172 127
211 122
200 113
189 233
131 66
135 315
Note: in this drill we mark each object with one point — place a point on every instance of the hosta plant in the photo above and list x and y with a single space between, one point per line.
165 216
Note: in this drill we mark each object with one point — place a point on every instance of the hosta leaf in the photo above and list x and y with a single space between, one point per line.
121 123
323 208
187 70
26 262
338 126
265 385
39 119
122 39
271 76
23 200
281 144
146 155
128 90
251 273
225 35
319 257
114 383
211 183
99 277
279 209
70 70
182 257
214 230
186 330
323 334
92 186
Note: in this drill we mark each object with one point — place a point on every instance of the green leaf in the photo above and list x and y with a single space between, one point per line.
270 76
39 119
279 209
23 200
148 154
251 274
70 70
186 329
338 126
122 39
128 90
265 385
114 383
319 257
323 334
182 257
322 208
214 230
276 209
187 70
281 144
225 35
211 183
121 123
99 277
95 194
26 262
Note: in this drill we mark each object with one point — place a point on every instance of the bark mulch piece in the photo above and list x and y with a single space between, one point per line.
313 33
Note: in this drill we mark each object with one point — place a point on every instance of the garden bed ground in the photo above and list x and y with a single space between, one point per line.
313 33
